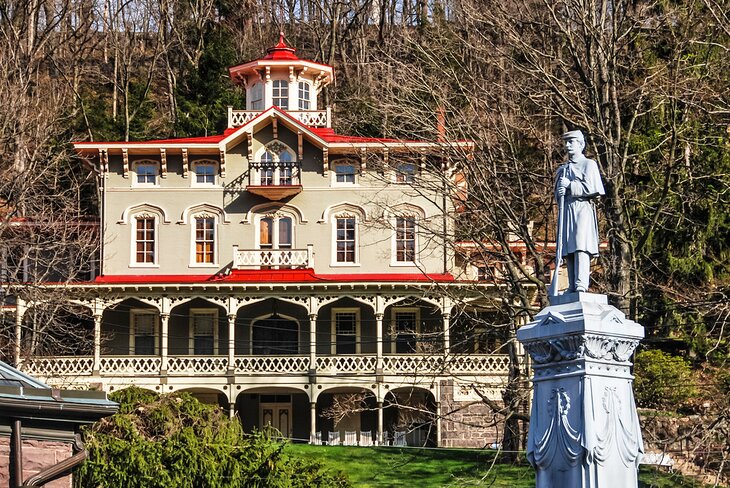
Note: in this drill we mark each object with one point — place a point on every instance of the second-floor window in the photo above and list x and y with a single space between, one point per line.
204 240
145 240
345 238
405 239
304 101
405 173
344 174
280 94
146 174
205 173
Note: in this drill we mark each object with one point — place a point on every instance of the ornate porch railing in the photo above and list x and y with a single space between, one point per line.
312 118
478 364
197 365
288 258
272 364
408 364
129 365
58 366
347 364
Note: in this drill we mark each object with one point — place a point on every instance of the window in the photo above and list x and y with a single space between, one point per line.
281 94
405 239
144 337
146 174
345 240
285 170
304 100
267 169
257 97
346 324
145 240
276 167
406 330
276 238
203 325
205 173
345 174
405 173
205 240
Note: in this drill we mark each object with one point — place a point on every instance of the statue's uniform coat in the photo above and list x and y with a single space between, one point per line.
580 224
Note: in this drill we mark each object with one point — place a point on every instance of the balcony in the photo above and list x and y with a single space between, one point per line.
273 258
311 118
274 180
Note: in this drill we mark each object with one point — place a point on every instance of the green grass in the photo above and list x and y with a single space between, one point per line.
433 468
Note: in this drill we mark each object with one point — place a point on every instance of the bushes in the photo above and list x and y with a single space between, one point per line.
174 440
662 381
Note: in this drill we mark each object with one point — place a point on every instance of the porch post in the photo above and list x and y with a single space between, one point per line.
312 342
164 319
438 424
379 341
19 312
231 410
231 344
447 339
312 422
379 440
96 368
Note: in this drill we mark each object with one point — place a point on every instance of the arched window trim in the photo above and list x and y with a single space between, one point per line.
344 213
135 218
205 162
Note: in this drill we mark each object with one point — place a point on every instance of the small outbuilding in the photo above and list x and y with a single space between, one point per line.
40 442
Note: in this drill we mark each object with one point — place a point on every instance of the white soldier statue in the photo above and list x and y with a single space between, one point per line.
577 185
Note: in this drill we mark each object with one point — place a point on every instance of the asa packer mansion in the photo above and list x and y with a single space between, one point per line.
279 269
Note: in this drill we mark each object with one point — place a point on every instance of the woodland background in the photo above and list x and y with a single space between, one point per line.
647 81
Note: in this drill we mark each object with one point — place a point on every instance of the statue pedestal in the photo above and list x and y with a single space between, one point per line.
584 428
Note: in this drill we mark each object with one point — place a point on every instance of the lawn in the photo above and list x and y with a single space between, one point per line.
373 467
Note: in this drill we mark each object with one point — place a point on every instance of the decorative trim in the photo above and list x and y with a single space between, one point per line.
272 207
300 144
275 125
163 165
142 207
223 163
249 139
358 210
588 346
363 160
104 160
185 164
325 161
203 207
125 162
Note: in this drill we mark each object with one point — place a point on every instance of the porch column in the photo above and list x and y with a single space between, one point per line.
312 342
379 440
165 320
379 342
447 339
97 345
231 410
231 343
312 422
19 312
438 424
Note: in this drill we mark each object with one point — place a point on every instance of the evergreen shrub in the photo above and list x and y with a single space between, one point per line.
663 381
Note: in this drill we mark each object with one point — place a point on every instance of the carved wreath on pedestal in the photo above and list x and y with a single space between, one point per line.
568 348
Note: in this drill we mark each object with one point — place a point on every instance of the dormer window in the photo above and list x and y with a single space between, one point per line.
280 94
405 173
146 173
257 97
304 100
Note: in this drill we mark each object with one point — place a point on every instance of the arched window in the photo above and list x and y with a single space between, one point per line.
276 241
144 240
304 100
276 166
280 94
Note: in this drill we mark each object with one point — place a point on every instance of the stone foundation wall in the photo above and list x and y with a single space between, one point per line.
37 456
465 423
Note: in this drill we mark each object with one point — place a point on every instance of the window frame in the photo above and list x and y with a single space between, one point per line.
342 163
257 90
283 90
191 330
304 88
146 163
402 177
133 263
276 174
194 240
333 328
133 314
214 173
334 254
394 241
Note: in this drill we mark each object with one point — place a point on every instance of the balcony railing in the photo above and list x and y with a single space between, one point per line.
311 118
274 180
403 364
273 258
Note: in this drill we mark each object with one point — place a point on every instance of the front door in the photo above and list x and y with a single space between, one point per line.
276 415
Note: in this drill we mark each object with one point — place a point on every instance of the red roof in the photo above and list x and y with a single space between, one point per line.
281 52
274 276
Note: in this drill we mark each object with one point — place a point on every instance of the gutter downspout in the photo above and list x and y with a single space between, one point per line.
60 469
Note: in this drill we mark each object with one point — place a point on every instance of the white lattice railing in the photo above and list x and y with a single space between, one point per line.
479 364
197 365
311 118
254 258
272 364
58 366
130 365
347 364
413 364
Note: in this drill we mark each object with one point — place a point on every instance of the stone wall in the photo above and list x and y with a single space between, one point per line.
37 456
465 422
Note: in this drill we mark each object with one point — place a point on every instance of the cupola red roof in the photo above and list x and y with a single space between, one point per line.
281 52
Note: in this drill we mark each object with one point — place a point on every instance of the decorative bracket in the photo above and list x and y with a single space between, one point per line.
185 166
125 162
163 163
223 163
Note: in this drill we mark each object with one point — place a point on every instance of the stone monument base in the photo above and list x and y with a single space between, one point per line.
584 428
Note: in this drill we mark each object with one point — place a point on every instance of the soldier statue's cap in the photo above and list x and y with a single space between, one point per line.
573 134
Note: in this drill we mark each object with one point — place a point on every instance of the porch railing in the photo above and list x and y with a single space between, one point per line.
290 258
311 118
405 364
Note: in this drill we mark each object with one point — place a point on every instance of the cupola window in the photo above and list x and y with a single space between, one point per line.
280 94
304 100
257 97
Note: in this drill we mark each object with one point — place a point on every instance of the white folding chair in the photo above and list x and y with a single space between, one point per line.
366 438
317 439
333 439
350 438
